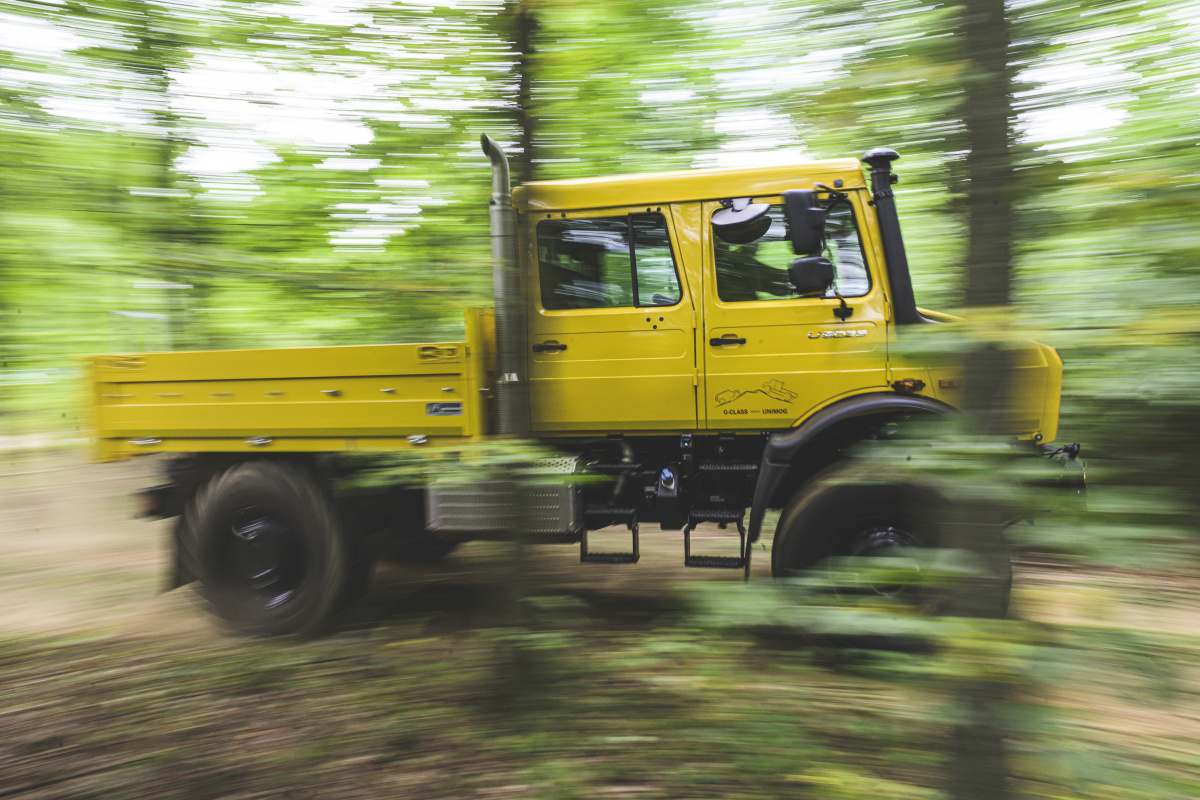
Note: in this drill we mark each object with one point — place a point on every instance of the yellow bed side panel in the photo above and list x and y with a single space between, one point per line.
293 399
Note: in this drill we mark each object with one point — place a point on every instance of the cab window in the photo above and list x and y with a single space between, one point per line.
757 270
606 262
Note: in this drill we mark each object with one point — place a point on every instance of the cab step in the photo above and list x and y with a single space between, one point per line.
721 515
602 518
696 516
727 467
714 562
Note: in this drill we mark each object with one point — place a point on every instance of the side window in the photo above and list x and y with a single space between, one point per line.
589 263
757 270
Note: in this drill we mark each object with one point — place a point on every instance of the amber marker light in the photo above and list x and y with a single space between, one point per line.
908 385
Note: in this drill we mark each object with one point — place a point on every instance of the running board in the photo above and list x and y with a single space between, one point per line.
602 518
740 561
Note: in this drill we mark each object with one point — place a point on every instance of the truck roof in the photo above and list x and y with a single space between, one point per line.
684 186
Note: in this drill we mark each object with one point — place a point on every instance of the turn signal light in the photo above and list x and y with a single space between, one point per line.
908 385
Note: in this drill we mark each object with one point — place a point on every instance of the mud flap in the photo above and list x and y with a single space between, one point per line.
178 573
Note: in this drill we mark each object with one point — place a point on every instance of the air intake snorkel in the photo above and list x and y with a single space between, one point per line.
904 304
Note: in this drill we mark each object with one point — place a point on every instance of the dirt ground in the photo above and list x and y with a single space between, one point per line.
77 571
75 560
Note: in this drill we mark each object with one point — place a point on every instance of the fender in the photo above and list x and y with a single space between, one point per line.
782 449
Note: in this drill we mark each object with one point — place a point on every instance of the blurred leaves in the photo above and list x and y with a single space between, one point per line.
730 691
311 170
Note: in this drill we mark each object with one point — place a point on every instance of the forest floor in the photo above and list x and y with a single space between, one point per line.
616 682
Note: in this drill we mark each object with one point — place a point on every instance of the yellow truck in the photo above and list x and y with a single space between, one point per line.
710 341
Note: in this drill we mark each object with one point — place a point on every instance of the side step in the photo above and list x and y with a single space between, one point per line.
740 561
601 518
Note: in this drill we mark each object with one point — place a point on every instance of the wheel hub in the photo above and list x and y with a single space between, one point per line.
889 542
266 556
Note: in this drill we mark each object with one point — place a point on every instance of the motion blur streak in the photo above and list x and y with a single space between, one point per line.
196 174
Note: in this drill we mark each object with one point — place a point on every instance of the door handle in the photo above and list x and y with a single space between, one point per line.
548 347
715 342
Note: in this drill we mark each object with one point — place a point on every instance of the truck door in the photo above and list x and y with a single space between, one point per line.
770 356
610 324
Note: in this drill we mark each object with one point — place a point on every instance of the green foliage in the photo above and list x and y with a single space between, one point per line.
727 690
314 177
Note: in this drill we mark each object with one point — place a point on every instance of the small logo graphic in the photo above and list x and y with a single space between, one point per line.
772 388
437 352
836 334
444 409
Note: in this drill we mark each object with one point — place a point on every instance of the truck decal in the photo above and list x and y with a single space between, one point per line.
772 388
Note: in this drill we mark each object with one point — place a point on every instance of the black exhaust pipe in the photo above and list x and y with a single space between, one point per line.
904 303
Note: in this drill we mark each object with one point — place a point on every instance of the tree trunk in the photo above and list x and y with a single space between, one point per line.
170 227
987 112
978 768
525 29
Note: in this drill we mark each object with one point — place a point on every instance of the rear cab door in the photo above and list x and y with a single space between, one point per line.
611 323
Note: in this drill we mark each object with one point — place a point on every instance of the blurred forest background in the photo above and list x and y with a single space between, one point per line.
194 174
310 172
208 174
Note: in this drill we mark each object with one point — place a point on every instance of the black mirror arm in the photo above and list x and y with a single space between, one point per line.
844 311
834 194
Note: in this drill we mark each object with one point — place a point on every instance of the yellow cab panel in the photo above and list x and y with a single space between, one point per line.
610 322
651 363
771 357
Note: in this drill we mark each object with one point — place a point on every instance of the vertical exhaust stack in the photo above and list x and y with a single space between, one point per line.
904 304
512 401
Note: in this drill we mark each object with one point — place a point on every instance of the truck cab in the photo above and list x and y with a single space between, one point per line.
646 314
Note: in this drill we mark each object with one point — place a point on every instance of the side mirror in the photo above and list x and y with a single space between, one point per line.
810 276
741 220
806 221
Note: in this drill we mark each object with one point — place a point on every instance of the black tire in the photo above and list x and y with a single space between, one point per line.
270 553
846 513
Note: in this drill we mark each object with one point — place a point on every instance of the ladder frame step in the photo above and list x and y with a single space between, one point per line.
611 558
740 561
608 558
715 562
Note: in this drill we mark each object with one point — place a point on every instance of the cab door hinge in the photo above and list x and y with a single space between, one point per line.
695 377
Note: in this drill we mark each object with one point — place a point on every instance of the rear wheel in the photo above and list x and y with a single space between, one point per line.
844 513
270 553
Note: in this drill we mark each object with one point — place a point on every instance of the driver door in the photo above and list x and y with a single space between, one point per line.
771 357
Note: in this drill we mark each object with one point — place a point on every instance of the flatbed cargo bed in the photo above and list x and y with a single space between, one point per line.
307 399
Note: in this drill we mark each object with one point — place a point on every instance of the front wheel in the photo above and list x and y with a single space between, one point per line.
270 553
844 513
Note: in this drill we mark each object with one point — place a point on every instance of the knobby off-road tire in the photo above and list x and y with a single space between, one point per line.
845 512
269 552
